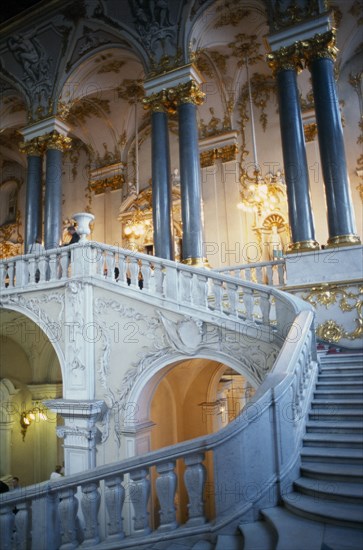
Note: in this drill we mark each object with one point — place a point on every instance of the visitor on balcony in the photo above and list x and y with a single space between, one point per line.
72 236
57 473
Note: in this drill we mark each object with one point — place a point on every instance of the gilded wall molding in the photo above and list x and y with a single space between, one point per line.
310 131
107 184
330 294
225 154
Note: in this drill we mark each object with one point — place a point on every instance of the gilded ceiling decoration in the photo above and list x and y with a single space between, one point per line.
10 138
293 11
230 13
131 90
357 11
87 108
215 125
16 104
246 47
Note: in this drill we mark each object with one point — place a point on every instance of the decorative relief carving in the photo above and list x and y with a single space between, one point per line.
348 301
310 131
36 65
225 154
33 305
168 100
230 13
131 90
292 12
321 46
80 110
170 339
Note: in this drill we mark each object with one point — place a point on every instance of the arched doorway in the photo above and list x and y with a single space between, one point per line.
29 374
186 400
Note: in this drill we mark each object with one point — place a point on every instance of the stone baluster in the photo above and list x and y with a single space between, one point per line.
265 306
134 271
53 267
64 262
185 282
270 274
2 276
194 478
11 273
145 273
114 499
31 270
171 283
22 526
200 290
90 505
21 272
166 489
139 495
43 268
45 527
6 527
122 267
248 302
68 508
218 294
159 278
110 265
232 290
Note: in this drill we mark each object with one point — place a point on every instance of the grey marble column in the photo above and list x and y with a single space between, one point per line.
161 189
341 222
33 208
190 185
295 161
53 199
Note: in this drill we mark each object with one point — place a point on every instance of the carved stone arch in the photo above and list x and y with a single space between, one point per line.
144 386
41 323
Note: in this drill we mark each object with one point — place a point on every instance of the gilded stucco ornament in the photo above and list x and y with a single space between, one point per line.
34 147
310 131
328 295
286 58
321 46
55 140
225 154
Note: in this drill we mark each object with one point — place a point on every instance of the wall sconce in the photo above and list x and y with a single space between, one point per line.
27 417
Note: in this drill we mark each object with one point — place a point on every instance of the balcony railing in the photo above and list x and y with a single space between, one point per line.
190 289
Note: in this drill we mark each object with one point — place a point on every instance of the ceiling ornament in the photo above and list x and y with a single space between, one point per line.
230 13
131 90
291 12
78 111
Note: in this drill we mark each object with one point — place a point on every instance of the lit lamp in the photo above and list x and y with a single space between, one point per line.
27 417
259 194
137 226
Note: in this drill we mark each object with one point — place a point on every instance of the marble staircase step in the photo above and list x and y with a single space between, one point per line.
327 454
323 439
330 490
258 536
350 515
338 394
336 414
326 426
337 404
340 377
338 385
333 471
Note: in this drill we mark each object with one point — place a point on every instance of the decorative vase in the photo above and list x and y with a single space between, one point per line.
83 220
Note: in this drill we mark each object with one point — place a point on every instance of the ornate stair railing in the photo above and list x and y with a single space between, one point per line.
255 458
188 289
268 273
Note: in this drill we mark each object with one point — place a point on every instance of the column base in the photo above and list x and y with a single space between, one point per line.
343 240
302 246
196 262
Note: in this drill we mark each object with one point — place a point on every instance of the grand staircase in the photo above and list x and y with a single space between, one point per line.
325 509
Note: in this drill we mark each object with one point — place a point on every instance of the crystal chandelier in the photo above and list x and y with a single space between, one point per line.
259 194
137 226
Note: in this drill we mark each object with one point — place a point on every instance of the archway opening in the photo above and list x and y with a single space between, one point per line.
29 374
190 399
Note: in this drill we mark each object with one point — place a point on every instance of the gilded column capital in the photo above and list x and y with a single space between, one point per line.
189 92
33 148
161 102
57 141
320 46
286 58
